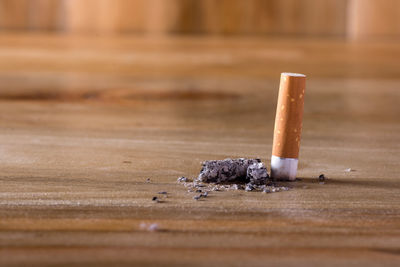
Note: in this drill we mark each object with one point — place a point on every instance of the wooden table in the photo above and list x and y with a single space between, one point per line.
85 121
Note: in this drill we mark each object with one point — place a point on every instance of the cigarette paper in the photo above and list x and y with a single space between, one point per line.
288 126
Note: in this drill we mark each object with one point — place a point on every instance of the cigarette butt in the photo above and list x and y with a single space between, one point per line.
288 126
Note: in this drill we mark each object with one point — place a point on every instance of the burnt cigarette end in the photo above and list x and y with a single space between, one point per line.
226 171
257 173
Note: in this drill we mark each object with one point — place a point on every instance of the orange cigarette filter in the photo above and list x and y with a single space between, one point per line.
288 126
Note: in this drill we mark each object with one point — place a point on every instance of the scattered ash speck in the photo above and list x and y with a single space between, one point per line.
183 179
197 197
321 179
162 192
349 170
237 187
148 180
151 227
249 187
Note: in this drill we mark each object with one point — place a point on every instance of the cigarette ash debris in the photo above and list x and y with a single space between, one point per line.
231 174
183 179
321 179
151 227
156 200
227 170
257 174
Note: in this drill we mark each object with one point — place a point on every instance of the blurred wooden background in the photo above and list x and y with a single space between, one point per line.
354 19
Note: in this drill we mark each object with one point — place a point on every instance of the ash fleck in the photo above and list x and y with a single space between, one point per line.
267 190
197 197
198 191
156 200
321 179
249 187
183 179
205 194
151 227
237 187
148 180
162 192
273 189
349 170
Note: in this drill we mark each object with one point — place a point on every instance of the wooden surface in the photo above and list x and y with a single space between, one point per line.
85 121
353 18
373 19
311 17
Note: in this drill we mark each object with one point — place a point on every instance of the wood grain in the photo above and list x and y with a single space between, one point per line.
371 19
287 17
14 14
85 121
354 19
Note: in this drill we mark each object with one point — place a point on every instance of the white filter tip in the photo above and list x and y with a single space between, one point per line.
283 168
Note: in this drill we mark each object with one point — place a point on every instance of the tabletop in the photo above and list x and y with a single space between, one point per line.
92 128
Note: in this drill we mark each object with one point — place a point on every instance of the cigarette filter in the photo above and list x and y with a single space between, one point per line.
288 126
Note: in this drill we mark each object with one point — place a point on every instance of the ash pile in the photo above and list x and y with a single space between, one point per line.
232 174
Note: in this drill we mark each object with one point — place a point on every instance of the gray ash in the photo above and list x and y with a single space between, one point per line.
156 200
257 174
197 197
225 171
182 179
249 187
231 174
273 189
